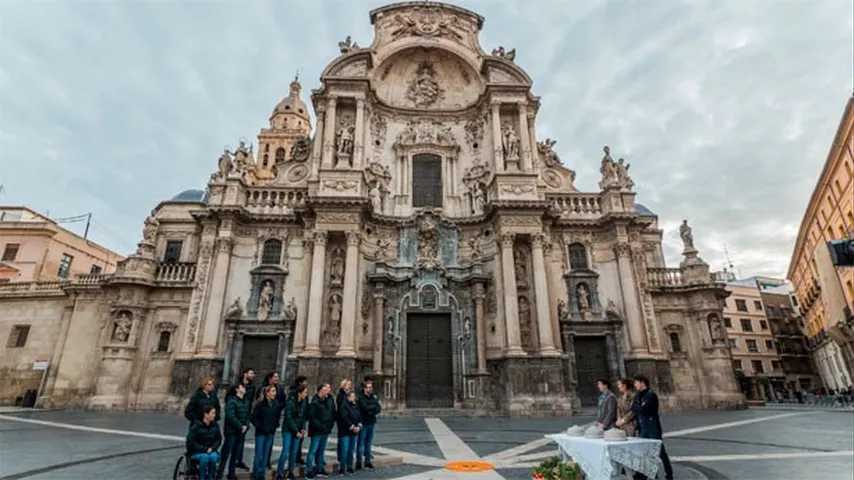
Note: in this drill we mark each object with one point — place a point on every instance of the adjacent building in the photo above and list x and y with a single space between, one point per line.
35 248
826 293
754 353
420 233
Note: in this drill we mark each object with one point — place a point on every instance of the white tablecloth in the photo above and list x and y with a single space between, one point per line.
601 460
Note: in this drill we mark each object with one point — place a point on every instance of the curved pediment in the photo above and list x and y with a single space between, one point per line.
429 79
354 64
505 72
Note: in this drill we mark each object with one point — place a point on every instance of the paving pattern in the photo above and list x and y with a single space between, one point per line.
717 445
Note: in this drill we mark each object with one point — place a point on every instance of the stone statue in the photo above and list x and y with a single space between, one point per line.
444 135
520 267
614 174
334 316
507 55
583 295
716 329
428 245
525 320
550 157
347 45
687 235
344 144
474 246
383 248
225 164
265 300
510 142
121 329
291 310
478 198
149 229
467 327
623 174
562 312
336 270
376 197
424 90
234 310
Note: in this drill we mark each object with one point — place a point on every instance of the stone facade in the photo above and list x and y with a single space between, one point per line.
422 235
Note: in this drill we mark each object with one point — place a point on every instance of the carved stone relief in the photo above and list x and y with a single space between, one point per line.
424 90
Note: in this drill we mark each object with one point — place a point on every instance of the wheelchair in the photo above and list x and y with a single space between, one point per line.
186 468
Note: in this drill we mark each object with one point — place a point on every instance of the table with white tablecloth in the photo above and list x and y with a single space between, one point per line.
600 459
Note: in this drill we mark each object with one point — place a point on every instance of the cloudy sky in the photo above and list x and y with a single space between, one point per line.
725 108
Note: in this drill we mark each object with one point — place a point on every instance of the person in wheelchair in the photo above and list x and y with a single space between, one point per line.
203 441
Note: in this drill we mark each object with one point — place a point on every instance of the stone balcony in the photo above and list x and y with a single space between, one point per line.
576 205
275 200
175 273
665 277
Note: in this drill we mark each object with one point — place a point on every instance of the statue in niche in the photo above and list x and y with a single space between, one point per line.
344 145
336 270
510 142
716 329
467 328
520 267
234 310
376 197
687 235
149 229
562 311
525 320
478 198
265 300
583 295
121 328
291 310
334 326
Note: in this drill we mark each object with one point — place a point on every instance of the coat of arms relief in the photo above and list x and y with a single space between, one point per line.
424 90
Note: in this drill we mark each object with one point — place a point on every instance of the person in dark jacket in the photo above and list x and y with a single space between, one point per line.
645 408
300 380
247 378
606 407
203 440
369 408
321 419
293 430
203 397
236 424
265 417
273 378
344 389
349 425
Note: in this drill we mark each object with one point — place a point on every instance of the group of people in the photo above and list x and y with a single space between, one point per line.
635 411
353 412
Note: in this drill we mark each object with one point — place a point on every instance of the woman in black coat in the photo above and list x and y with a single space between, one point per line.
265 417
349 424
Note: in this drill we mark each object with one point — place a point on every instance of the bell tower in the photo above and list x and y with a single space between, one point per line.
289 122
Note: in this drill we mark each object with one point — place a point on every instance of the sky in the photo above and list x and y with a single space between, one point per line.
726 109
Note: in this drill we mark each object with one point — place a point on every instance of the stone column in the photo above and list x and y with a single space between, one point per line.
216 296
329 134
347 347
317 145
237 355
315 297
524 139
496 138
541 287
282 354
302 315
379 309
359 141
478 296
631 302
511 305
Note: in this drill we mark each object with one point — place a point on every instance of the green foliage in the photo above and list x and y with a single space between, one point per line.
555 469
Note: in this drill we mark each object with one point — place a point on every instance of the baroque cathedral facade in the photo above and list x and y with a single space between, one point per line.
419 233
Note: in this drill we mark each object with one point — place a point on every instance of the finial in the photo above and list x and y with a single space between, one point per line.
607 150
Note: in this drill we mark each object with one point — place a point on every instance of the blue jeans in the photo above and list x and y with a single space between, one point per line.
230 450
316 459
364 443
262 446
290 443
347 445
207 464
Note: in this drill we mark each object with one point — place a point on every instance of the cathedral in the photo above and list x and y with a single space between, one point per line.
417 232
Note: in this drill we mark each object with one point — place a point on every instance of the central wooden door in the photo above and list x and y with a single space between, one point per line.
429 375
260 353
591 363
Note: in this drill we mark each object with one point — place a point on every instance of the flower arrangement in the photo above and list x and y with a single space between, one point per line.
555 469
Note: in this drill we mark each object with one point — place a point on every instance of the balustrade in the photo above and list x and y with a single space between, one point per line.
176 272
583 205
275 201
664 277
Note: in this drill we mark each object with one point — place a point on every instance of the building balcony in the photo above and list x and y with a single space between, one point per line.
664 277
275 201
176 273
576 205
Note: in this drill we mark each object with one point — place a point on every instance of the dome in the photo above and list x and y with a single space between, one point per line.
292 104
641 209
191 196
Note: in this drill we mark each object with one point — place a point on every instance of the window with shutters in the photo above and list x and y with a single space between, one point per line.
426 180
18 336
65 266
10 252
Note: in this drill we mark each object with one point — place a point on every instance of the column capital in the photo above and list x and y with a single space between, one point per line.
353 238
507 239
360 102
538 240
478 292
320 238
331 101
223 244
623 249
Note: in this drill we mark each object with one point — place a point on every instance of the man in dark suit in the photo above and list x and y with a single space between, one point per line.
645 408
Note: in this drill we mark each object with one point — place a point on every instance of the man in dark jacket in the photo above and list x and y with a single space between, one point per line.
203 440
321 419
236 424
203 397
349 425
369 407
645 408
299 381
293 430
247 378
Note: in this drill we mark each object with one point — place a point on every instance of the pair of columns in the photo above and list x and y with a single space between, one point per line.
316 303
511 306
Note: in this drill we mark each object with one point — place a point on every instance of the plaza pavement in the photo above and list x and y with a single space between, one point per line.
718 445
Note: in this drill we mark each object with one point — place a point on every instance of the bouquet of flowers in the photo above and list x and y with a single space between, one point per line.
555 469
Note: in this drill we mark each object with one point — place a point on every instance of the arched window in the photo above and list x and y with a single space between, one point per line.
163 341
675 344
272 253
280 155
577 257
